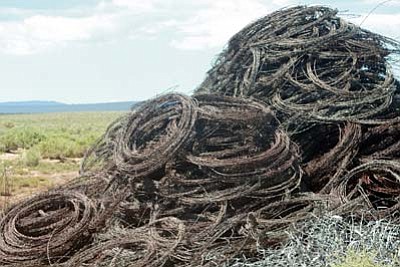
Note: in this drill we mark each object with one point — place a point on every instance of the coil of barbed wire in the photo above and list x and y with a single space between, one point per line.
237 151
46 228
307 61
153 134
150 245
372 187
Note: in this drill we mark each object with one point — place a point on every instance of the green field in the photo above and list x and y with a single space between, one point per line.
53 135
38 151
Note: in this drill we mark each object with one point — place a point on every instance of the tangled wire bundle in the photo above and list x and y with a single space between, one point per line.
151 245
372 187
306 61
142 142
237 152
298 117
381 142
154 134
321 168
46 228
99 156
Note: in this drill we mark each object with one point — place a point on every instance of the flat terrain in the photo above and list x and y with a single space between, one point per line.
38 151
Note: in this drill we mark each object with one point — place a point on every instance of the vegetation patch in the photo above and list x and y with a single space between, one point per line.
333 241
53 135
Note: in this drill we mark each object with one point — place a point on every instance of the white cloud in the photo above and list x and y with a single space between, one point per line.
195 25
213 25
39 32
191 25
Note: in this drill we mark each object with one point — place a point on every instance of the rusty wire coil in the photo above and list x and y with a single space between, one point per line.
381 142
153 134
198 181
372 187
268 223
243 155
46 228
99 156
320 170
219 236
308 62
150 245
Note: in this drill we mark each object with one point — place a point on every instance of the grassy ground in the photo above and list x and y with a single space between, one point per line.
53 135
38 151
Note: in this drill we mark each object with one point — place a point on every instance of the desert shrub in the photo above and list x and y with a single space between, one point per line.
31 157
333 241
358 259
24 138
56 135
8 125
55 148
59 147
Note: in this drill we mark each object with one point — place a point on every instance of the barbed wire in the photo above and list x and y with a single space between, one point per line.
298 117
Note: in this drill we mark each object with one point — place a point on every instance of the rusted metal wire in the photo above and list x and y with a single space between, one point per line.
99 156
372 188
153 135
151 245
381 142
298 117
308 62
237 152
46 228
139 144
321 168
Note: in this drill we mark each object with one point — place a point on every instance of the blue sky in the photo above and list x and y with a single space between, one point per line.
85 51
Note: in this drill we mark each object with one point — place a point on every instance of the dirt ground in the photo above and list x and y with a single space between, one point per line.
24 192
25 182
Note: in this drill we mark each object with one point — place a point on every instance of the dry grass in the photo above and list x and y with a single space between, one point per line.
335 242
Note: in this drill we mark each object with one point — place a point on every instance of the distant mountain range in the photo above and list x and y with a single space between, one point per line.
52 106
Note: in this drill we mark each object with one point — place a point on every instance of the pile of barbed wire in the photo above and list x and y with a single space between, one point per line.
298 117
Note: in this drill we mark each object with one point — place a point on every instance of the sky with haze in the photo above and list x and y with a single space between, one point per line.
87 51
